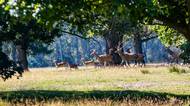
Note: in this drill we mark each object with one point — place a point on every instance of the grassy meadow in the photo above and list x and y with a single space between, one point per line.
88 86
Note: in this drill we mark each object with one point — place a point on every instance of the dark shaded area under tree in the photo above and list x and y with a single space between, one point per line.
66 96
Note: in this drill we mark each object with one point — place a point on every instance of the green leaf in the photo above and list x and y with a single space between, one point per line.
2 1
7 7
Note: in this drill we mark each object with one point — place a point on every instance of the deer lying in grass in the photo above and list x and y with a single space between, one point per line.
103 59
92 63
138 58
61 64
66 64
89 63
73 66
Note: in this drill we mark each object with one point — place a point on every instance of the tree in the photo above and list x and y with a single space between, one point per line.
29 33
22 31
88 17
20 24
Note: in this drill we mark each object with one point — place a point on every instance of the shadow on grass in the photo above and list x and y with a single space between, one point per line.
48 95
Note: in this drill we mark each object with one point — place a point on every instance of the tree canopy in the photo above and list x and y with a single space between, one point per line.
172 13
85 13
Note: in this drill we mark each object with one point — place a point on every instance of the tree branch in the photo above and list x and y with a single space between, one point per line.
74 34
82 37
149 38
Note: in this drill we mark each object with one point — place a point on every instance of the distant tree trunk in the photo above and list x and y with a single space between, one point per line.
188 36
112 41
138 44
60 49
13 52
85 49
1 46
56 52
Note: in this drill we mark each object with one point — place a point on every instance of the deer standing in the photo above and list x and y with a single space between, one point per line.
126 57
174 53
138 58
103 59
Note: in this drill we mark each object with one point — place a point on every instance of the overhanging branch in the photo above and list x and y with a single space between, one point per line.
149 38
82 37
74 34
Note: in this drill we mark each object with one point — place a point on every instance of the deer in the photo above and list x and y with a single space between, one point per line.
103 59
89 63
138 58
61 64
66 64
174 53
73 66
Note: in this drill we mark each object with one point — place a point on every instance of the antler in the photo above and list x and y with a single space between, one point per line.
119 45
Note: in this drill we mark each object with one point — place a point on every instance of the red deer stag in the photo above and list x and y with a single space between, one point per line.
103 59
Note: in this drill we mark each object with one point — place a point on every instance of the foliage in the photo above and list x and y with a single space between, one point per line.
186 52
9 68
18 20
171 13
168 36
92 16
39 48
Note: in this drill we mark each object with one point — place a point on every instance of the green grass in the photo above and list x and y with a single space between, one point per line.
89 86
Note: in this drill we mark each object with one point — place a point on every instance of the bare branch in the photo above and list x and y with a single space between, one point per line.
82 37
149 38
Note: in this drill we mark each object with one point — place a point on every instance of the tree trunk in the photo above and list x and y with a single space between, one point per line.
22 46
187 35
138 44
13 52
22 57
1 46
112 40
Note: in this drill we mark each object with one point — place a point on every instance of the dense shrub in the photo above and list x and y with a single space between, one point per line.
9 68
186 52
177 70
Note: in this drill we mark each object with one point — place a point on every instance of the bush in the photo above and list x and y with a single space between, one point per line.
176 70
9 68
186 52
182 71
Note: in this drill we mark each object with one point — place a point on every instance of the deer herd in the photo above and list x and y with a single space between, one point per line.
103 60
